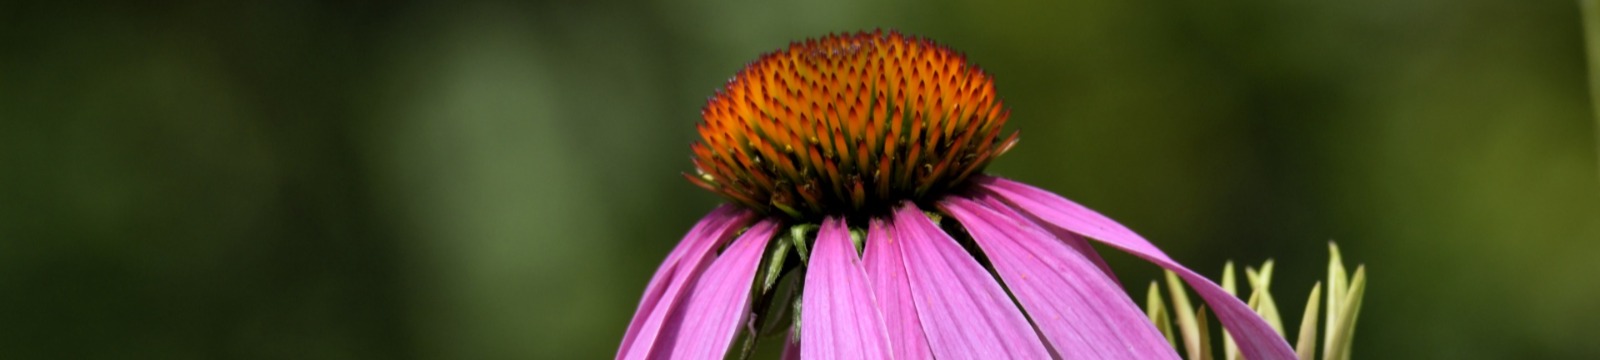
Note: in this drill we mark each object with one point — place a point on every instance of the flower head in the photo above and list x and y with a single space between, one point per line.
854 164
849 123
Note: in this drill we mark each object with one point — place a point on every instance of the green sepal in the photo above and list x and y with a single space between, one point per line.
1306 343
794 331
778 314
1346 325
859 238
1261 296
773 267
798 237
1185 313
1157 311
1339 327
1230 283
1337 280
1204 329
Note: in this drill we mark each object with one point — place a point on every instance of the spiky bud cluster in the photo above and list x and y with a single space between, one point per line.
848 123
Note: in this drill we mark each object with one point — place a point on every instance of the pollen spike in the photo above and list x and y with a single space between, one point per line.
848 123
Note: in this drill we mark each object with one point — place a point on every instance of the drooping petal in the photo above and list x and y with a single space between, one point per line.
709 317
673 277
1256 339
1078 308
1077 242
839 317
964 311
887 272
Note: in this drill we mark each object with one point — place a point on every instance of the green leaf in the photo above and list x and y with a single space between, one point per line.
1261 296
798 236
794 331
777 253
1157 311
1265 276
1339 346
1306 343
1336 292
858 237
1230 350
1228 283
1205 333
779 311
1186 321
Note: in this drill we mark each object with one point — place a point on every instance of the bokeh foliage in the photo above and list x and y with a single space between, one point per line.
484 180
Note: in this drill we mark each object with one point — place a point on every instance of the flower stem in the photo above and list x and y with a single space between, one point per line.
1591 37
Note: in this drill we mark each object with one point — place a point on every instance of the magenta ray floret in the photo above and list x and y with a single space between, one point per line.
964 312
1074 305
915 292
1256 339
887 271
841 316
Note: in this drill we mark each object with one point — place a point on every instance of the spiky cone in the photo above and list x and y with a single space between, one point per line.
854 164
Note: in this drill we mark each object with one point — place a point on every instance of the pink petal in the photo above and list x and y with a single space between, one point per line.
1077 242
1083 313
839 317
709 317
887 270
964 311
1255 338
683 264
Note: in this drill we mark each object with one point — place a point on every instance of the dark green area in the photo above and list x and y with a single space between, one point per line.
481 180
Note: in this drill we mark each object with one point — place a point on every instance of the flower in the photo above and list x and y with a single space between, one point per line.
863 155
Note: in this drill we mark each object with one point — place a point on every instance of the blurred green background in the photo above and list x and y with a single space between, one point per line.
490 180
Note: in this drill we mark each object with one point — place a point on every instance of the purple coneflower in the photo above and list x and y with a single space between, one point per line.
863 155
